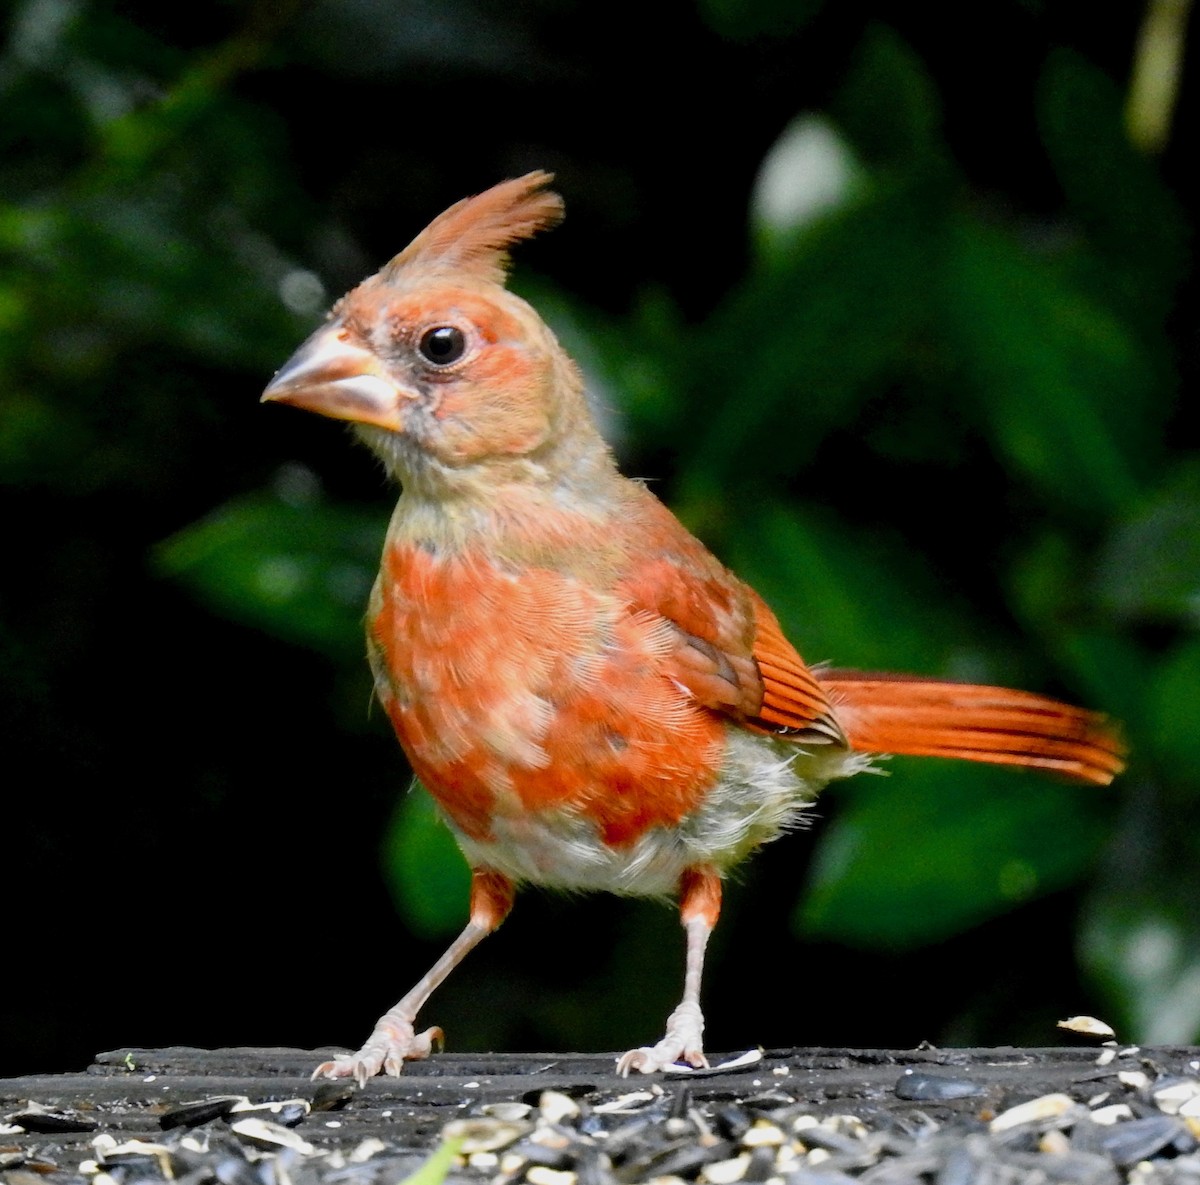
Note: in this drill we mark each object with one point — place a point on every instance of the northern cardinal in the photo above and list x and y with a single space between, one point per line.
591 698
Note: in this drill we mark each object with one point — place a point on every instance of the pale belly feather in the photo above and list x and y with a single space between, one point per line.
763 790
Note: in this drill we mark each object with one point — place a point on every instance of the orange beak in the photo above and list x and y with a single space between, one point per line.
334 377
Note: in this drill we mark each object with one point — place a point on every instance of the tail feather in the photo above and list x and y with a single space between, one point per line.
883 713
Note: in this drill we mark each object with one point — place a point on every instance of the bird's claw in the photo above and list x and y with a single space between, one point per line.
648 1060
387 1049
684 1042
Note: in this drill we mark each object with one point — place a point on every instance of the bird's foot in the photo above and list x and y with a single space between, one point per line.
387 1049
684 1042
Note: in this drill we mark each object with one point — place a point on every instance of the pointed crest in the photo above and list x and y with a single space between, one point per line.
472 237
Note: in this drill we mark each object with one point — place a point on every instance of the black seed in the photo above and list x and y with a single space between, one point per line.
1127 1143
933 1088
201 1111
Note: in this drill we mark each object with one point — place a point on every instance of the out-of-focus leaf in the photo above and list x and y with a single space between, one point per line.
1134 226
1052 371
889 106
852 600
1174 708
939 847
803 344
1110 674
1150 568
1052 592
34 435
154 267
428 876
745 19
1150 959
435 1170
301 569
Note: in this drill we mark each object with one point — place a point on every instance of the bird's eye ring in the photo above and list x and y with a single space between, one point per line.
442 345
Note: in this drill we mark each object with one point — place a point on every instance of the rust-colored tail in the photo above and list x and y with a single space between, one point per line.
937 718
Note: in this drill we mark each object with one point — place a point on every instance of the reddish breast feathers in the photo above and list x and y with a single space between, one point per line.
529 691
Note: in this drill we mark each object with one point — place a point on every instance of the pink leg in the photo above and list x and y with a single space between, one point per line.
393 1040
699 908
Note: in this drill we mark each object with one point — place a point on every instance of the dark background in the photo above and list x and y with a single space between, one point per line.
943 426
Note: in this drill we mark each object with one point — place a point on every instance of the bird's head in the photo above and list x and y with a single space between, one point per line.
445 373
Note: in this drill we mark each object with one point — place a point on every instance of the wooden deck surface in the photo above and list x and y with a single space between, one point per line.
55 1120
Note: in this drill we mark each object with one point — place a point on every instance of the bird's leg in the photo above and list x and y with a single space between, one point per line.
393 1040
699 908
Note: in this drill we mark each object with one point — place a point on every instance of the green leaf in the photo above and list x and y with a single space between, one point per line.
1133 223
301 570
1149 957
1053 372
746 19
851 598
889 105
808 340
1050 588
1150 568
435 1170
1174 711
942 846
429 878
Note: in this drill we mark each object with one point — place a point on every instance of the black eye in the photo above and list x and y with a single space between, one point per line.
442 345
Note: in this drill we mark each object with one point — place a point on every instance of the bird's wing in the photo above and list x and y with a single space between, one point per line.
729 652
794 703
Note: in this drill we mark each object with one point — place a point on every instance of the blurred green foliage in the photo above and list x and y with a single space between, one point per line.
285 562
935 421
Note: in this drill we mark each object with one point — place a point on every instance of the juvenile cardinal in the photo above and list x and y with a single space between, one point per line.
591 698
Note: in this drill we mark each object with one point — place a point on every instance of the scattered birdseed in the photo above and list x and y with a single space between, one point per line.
200 1111
764 1135
262 1134
725 1172
289 1112
626 1102
1171 1095
512 1111
34 1117
1088 1026
749 1058
1134 1079
839 1118
1054 1143
556 1107
484 1135
1049 1106
935 1088
540 1175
